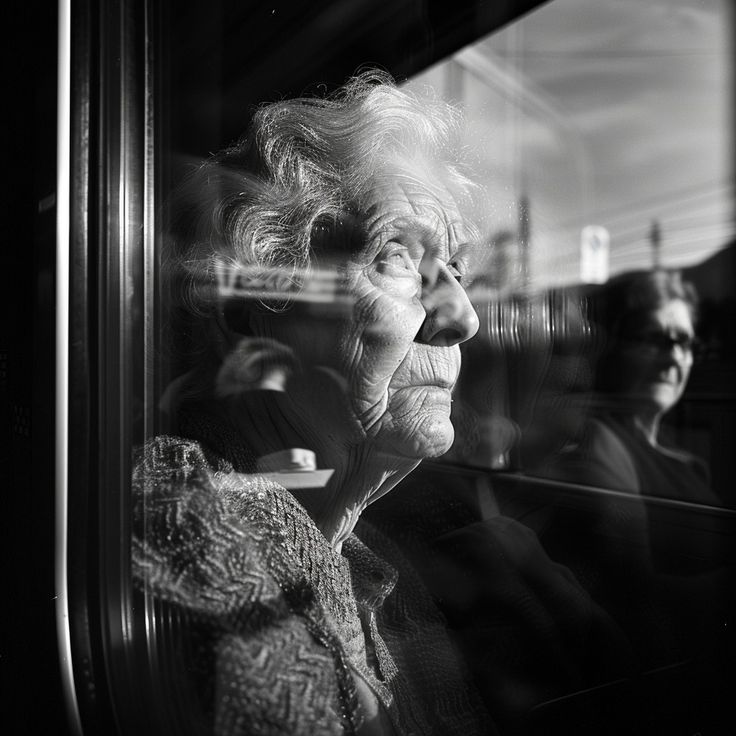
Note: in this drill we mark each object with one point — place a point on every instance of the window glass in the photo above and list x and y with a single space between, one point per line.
431 446
607 114
602 132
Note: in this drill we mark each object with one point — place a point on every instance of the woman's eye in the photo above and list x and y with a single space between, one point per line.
396 257
458 268
399 258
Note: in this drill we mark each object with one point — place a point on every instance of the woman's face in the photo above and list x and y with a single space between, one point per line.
657 356
392 359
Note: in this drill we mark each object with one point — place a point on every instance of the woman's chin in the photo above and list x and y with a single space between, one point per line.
417 423
430 437
656 398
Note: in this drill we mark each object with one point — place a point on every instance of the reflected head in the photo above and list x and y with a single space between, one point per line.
648 325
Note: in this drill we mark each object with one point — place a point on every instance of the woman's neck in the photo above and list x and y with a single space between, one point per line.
648 425
268 422
361 476
639 418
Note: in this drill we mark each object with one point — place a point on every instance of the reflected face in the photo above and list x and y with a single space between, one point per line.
657 357
396 354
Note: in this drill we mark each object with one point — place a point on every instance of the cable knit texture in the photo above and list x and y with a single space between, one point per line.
292 638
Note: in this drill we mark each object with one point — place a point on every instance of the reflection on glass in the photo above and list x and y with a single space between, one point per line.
601 132
350 297
611 114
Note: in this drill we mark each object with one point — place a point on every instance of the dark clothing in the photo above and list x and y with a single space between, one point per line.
646 533
613 455
635 542
528 630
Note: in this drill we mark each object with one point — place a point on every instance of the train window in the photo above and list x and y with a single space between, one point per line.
400 395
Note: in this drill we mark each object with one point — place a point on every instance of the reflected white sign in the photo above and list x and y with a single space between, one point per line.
255 282
594 254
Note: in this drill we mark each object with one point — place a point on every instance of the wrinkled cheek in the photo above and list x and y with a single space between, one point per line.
384 321
376 345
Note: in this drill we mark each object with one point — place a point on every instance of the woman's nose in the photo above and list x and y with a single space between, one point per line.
450 318
677 353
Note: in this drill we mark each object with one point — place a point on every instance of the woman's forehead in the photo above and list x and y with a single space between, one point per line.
417 186
404 203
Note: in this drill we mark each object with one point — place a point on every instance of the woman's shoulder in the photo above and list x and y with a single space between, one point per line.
600 457
202 534
166 455
600 432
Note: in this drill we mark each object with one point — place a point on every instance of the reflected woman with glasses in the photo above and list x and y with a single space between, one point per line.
646 323
626 543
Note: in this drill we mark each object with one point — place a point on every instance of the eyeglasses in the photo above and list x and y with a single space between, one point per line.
656 340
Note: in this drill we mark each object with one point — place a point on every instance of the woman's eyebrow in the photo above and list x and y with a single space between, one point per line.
462 236
471 249
430 233
429 229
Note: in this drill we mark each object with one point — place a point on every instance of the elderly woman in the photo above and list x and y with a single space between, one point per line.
321 261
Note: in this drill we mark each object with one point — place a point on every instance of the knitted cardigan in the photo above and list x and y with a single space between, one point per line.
282 634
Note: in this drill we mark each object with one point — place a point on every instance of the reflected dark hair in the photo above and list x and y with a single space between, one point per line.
617 307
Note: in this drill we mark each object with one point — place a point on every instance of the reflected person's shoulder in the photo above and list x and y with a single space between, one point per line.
598 458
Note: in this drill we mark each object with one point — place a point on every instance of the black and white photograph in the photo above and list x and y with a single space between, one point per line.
369 368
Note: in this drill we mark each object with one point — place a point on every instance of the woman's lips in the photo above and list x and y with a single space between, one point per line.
671 376
424 397
427 366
